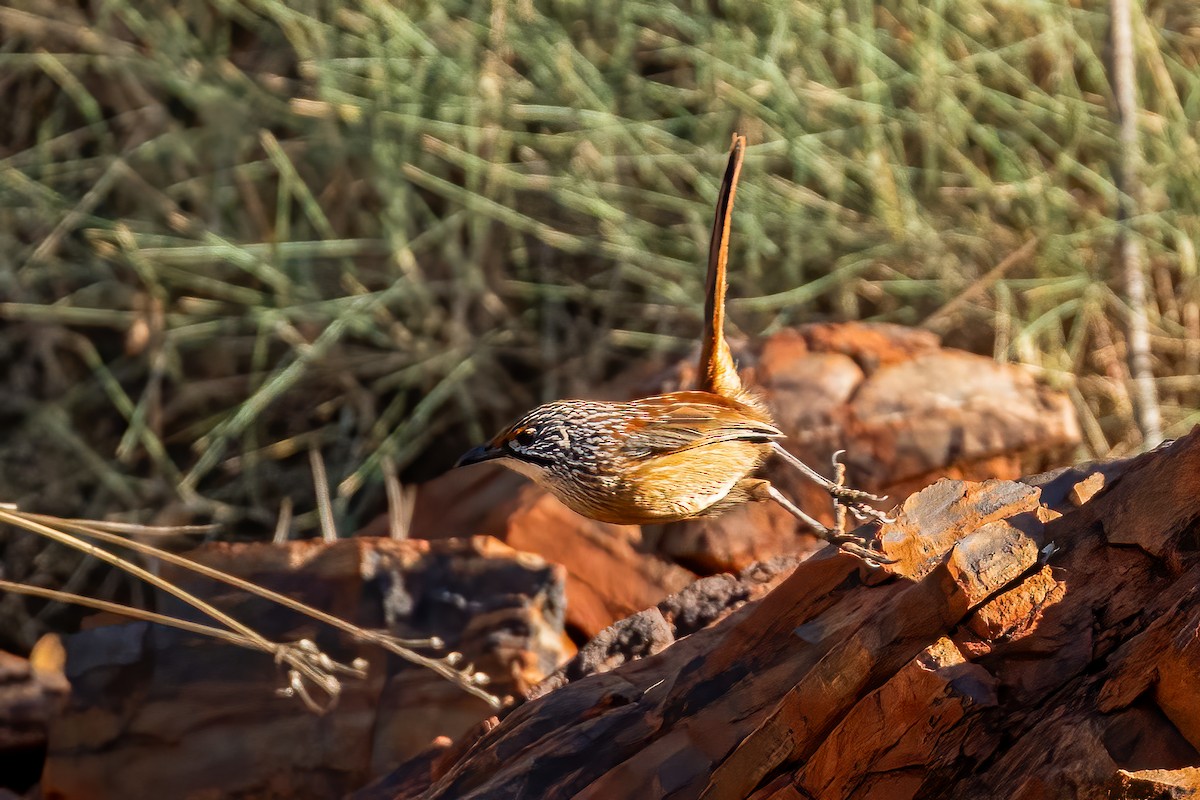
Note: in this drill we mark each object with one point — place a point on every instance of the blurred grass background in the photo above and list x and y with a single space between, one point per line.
232 233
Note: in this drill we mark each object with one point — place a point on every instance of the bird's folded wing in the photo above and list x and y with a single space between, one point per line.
682 425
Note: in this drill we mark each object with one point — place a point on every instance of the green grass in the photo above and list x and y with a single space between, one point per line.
232 232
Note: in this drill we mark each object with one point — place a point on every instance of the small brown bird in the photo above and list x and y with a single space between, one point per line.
674 456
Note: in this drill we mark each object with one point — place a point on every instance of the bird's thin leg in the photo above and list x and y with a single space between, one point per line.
848 542
825 533
839 477
854 499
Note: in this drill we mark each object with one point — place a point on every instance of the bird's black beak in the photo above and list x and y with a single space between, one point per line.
485 452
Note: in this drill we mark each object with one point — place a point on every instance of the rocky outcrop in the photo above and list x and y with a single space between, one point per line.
157 712
1035 640
762 681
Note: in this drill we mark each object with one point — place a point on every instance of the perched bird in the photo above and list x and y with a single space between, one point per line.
674 456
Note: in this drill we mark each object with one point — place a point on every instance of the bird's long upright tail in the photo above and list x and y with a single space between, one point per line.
717 371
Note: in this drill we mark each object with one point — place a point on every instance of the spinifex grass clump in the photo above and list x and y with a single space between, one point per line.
233 233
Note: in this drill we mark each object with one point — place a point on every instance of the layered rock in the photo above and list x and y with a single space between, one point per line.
191 717
1035 640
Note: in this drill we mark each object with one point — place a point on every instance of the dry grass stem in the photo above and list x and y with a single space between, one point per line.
303 661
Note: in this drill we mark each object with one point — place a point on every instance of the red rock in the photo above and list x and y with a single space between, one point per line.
1156 784
608 577
1086 489
192 717
873 345
1015 652
610 574
651 631
938 689
948 408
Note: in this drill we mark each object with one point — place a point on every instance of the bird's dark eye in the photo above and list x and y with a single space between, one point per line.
523 437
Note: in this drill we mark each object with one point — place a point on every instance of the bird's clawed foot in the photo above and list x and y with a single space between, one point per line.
846 541
859 547
856 501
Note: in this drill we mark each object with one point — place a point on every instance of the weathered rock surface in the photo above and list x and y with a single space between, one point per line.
1035 640
906 410
648 632
157 712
